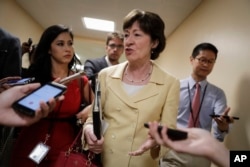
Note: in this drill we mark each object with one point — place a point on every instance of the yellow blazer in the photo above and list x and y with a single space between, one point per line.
126 115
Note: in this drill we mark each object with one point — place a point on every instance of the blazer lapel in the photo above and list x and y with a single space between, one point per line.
147 91
116 85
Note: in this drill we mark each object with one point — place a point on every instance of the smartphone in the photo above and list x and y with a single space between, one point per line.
20 81
31 102
225 116
72 77
173 134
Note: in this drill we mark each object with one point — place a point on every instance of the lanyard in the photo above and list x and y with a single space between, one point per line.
51 123
190 103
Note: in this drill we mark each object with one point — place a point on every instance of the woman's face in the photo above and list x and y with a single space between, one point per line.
61 49
138 45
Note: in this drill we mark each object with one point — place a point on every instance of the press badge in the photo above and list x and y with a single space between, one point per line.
39 152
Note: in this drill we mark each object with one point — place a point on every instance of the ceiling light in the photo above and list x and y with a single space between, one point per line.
98 24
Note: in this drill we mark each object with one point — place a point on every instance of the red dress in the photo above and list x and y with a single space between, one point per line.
62 122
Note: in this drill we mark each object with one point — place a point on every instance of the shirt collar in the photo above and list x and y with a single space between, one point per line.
107 60
192 83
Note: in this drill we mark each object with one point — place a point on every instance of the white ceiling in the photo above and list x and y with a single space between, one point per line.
69 12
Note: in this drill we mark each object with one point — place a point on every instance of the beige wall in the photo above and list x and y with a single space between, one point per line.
226 24
14 19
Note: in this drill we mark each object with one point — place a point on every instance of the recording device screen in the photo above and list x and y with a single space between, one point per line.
31 102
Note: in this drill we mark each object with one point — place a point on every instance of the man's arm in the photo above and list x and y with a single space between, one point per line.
89 68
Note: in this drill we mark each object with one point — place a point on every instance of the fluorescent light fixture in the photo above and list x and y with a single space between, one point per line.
98 24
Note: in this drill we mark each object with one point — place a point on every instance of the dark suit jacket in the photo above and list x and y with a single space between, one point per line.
10 55
10 65
92 67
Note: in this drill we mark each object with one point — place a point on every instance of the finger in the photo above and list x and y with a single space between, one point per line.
6 86
135 153
29 87
165 138
226 111
91 138
57 80
51 104
45 109
218 120
60 98
231 120
154 132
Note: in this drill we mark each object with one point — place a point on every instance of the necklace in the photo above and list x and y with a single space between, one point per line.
139 81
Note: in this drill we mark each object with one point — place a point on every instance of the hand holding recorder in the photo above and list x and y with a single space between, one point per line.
199 142
150 143
173 134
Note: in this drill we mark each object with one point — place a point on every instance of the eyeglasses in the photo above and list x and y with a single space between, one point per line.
113 46
205 61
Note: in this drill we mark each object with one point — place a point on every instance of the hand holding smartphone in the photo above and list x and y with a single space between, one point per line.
224 116
173 134
228 118
20 81
30 103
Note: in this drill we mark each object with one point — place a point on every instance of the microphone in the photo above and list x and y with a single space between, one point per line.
97 111
71 77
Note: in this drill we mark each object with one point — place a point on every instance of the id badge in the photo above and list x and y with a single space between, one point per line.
39 152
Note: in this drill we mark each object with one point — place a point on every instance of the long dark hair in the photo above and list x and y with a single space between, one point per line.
41 65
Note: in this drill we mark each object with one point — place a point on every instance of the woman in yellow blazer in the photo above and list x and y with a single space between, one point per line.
135 92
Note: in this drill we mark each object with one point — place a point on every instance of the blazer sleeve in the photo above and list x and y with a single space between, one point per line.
170 110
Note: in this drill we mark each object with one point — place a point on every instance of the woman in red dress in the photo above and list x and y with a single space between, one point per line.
54 58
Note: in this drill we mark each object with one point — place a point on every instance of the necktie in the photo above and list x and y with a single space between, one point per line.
194 115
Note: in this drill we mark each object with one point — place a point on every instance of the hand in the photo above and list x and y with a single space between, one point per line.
223 123
26 48
148 144
3 82
196 138
9 117
94 144
83 115
199 142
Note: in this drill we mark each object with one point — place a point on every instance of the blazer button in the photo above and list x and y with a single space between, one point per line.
118 109
113 137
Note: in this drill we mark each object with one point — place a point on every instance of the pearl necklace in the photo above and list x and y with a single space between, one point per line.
140 81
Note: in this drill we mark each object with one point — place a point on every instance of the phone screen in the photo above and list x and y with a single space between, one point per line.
30 103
